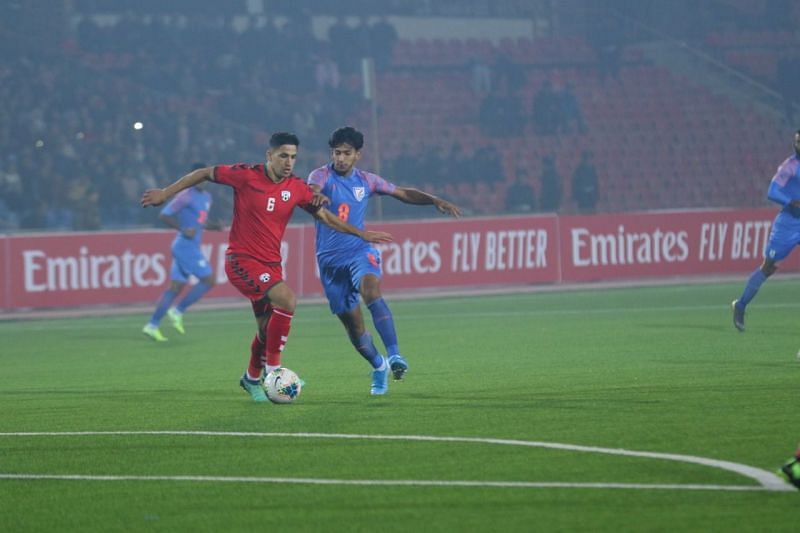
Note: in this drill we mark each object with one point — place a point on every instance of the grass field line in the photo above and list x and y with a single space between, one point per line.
205 319
767 481
386 482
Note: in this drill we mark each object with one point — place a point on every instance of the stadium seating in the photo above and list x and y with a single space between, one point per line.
659 140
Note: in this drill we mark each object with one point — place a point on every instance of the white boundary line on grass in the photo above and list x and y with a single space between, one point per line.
389 483
767 481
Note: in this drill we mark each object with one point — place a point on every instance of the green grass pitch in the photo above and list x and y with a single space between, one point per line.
648 369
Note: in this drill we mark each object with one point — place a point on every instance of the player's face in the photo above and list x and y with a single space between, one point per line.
344 158
282 159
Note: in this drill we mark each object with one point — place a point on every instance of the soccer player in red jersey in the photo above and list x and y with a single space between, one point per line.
265 196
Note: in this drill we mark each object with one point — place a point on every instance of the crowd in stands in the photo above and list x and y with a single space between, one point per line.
130 103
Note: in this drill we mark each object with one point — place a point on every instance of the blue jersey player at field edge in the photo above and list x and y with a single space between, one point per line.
187 213
784 189
350 268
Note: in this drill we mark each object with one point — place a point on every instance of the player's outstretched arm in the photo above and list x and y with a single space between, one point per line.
331 220
153 197
417 197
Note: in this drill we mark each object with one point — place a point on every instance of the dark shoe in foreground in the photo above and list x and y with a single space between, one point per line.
791 472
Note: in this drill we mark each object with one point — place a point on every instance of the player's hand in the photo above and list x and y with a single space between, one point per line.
447 208
153 197
794 208
319 199
189 233
377 236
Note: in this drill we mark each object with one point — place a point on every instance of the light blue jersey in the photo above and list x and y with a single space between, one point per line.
349 201
785 187
344 259
190 207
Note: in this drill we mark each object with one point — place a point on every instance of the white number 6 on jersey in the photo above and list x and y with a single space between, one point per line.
271 204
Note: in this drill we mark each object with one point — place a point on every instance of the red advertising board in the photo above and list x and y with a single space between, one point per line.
5 268
75 269
428 254
78 269
674 243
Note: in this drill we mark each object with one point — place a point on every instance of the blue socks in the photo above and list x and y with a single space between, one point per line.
169 296
367 349
754 283
384 323
161 308
195 294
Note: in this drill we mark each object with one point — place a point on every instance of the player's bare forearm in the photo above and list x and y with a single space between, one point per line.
153 197
417 197
377 237
327 218
332 221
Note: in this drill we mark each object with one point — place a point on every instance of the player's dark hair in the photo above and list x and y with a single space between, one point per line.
797 132
347 135
283 137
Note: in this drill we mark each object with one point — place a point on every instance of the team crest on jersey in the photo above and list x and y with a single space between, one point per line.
359 193
285 195
263 278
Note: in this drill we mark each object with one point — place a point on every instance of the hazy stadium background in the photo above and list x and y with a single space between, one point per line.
687 109
682 105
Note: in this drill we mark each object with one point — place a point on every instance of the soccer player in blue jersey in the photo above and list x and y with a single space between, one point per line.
349 268
187 213
784 189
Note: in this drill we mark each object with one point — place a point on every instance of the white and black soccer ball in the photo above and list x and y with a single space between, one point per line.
283 385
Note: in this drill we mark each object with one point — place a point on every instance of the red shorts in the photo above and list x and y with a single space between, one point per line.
253 279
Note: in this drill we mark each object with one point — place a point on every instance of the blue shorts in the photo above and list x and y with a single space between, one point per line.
189 261
341 281
785 235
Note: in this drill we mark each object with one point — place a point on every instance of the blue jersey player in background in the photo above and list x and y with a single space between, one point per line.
349 267
187 213
784 189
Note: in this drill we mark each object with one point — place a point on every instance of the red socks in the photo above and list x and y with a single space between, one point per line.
257 359
277 334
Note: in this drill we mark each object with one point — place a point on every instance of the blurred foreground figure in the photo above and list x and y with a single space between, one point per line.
791 470
784 189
